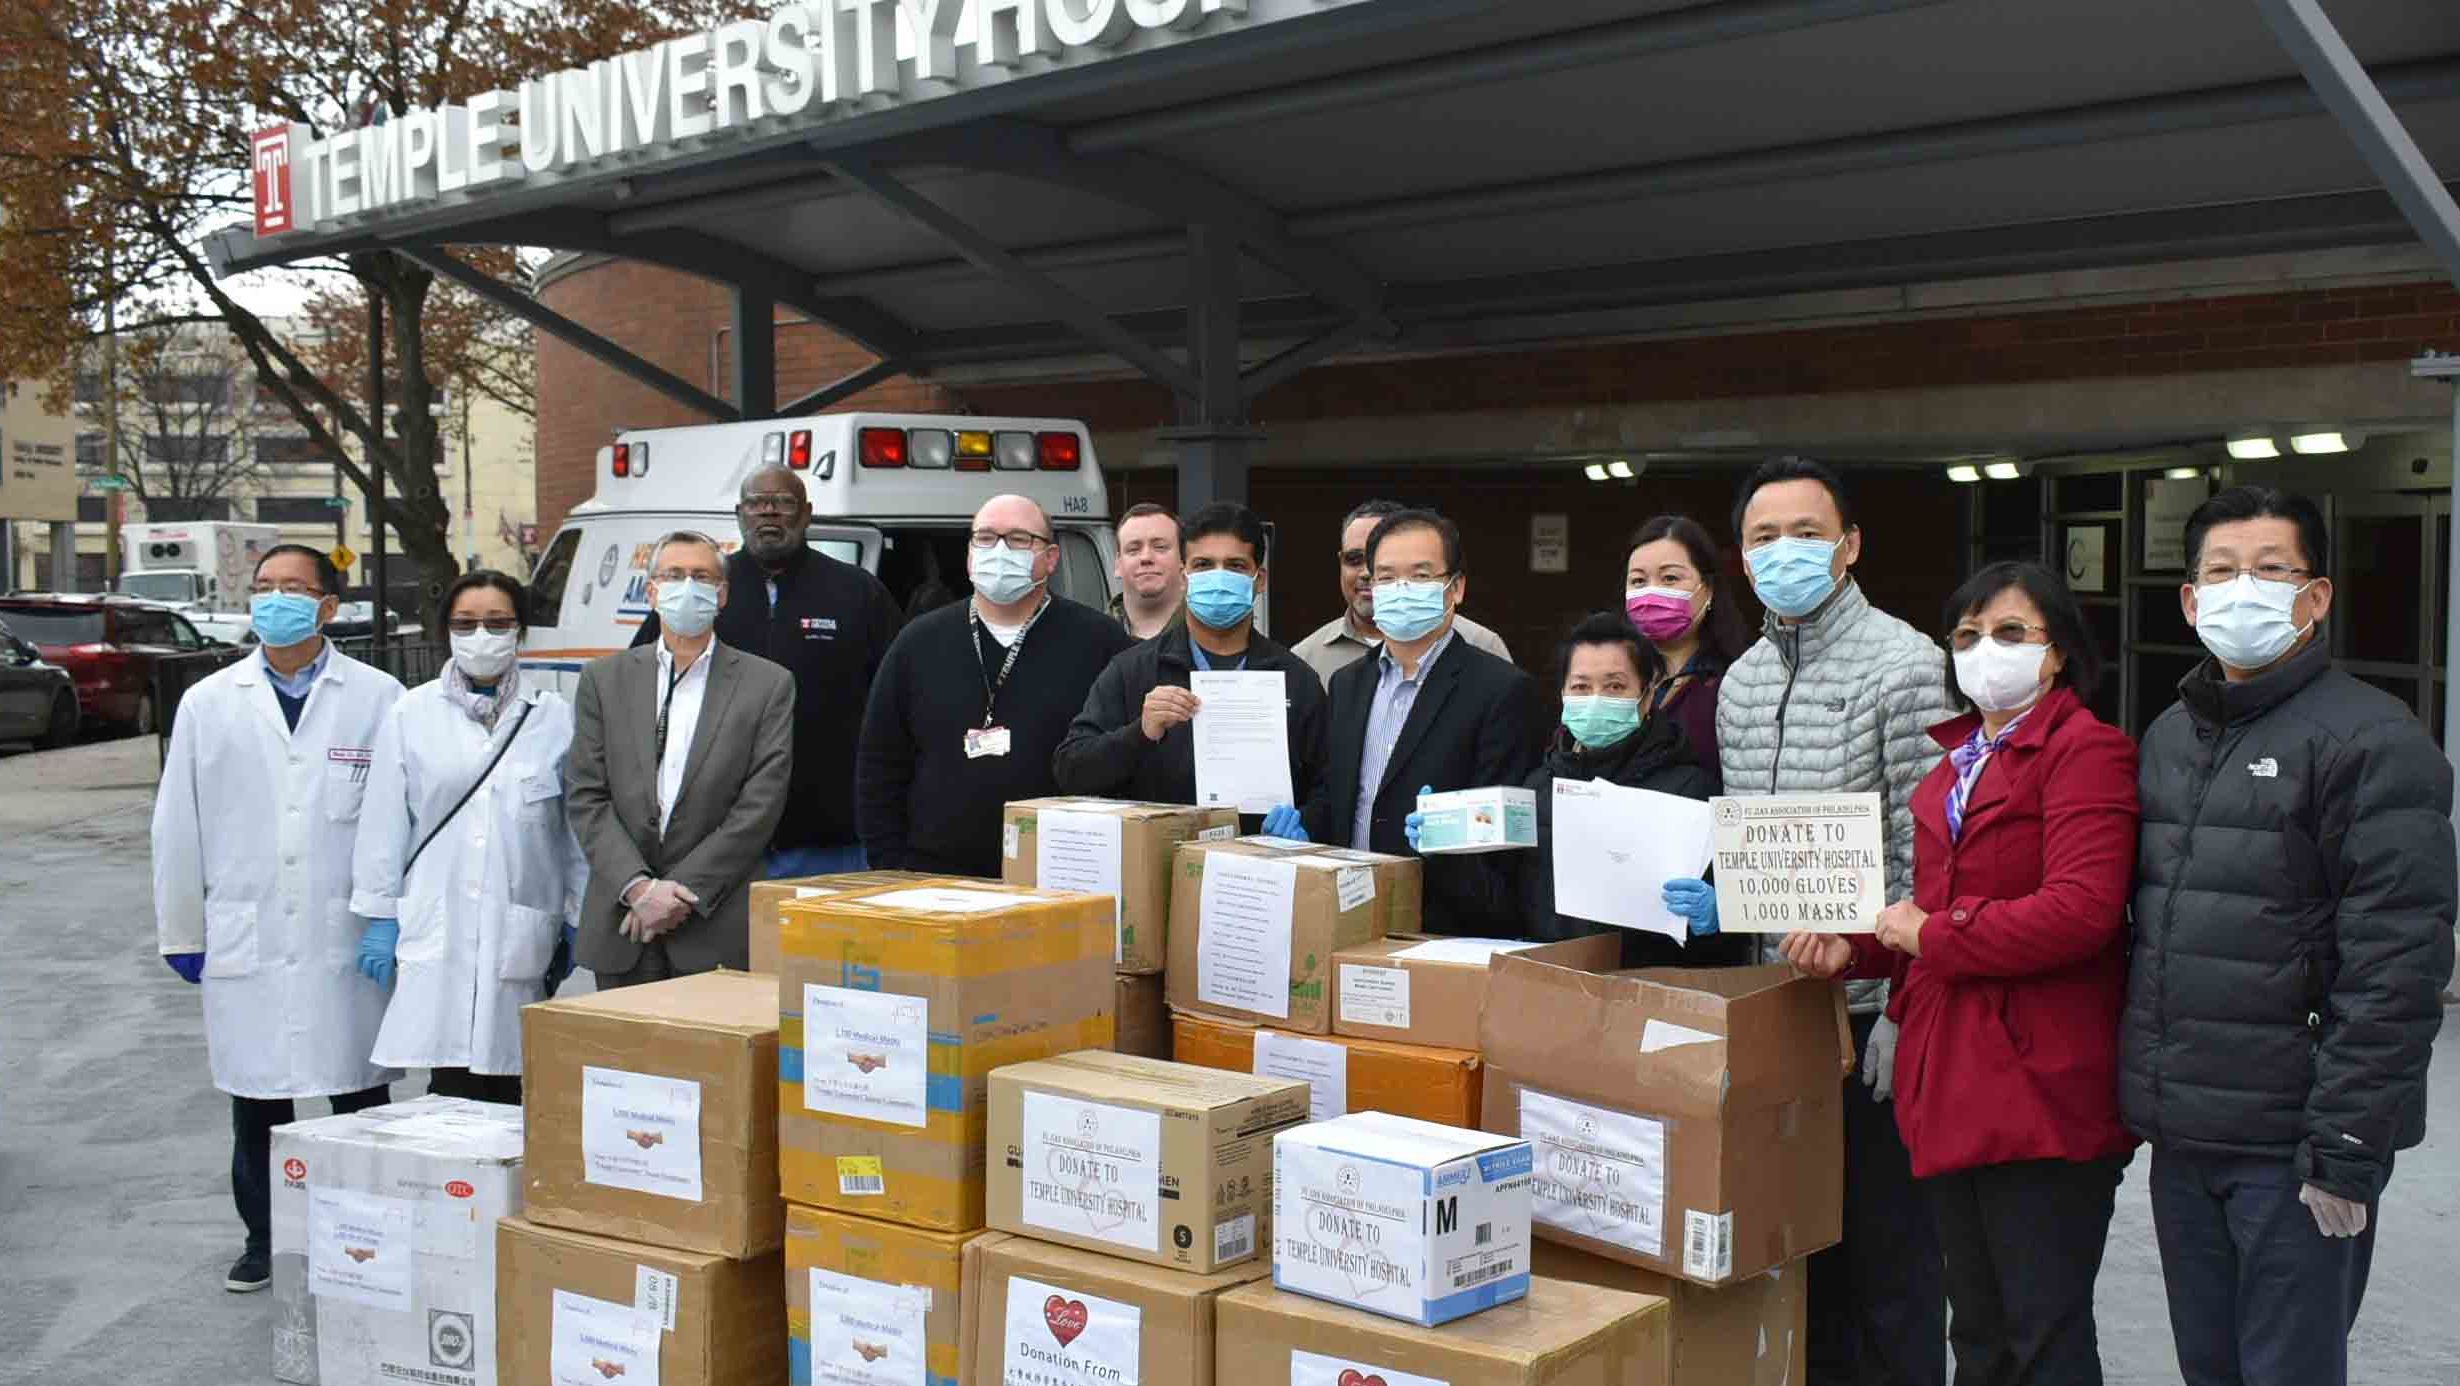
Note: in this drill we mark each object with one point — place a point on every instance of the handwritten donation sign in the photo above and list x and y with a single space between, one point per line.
1809 863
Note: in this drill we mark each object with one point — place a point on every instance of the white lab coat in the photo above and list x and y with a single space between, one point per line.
253 828
484 904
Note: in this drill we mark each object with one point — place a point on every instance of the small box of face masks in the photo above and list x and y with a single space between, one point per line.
1495 819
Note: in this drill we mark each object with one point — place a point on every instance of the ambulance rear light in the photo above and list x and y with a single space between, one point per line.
773 449
1013 452
798 449
640 459
623 459
1060 452
882 447
973 450
934 448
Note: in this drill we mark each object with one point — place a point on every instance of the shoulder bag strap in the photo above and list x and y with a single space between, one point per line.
492 762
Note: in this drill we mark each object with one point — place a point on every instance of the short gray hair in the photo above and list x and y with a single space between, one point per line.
683 536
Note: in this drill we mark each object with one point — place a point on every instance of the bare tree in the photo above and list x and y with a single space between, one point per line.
184 406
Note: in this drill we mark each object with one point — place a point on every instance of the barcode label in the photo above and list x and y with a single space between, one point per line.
1492 1269
1708 1245
1234 1239
851 1185
1484 1234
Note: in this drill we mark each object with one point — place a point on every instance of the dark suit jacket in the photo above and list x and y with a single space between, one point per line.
734 789
1472 726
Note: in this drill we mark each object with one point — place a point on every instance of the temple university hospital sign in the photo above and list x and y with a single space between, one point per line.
753 80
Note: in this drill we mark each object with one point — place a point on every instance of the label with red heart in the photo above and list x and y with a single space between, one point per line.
1351 1376
1315 1369
1059 1336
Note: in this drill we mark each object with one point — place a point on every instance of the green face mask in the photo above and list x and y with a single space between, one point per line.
1597 722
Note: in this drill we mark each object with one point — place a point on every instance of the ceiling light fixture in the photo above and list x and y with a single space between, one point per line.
2183 474
1619 469
1964 474
1595 471
2002 471
2313 444
2253 449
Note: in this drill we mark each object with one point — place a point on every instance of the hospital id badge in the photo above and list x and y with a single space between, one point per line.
986 741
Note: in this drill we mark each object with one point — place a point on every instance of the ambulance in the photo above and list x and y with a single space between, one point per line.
892 493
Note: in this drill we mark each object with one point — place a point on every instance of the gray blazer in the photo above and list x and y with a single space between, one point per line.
734 790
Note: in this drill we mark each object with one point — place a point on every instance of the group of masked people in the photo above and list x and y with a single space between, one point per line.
2228 942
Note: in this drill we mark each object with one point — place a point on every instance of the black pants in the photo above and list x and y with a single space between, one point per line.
2258 1295
2022 1244
252 1123
477 1087
1878 1308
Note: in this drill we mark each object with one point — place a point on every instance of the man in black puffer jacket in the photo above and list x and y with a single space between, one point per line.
2293 928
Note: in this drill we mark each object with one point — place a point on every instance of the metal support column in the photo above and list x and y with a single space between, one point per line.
2446 368
2346 90
64 556
755 334
375 471
1213 441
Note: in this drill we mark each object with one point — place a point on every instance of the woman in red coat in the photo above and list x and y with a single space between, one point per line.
2010 970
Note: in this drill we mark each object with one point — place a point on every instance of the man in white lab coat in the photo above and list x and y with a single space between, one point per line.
253 825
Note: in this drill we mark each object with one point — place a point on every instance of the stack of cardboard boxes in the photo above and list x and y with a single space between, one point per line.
648 1245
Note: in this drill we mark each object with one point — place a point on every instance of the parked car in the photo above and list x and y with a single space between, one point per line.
38 700
109 646
353 620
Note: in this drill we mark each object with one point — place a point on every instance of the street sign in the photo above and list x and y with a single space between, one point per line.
342 557
109 481
337 502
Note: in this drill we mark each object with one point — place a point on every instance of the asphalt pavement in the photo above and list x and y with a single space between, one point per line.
115 1212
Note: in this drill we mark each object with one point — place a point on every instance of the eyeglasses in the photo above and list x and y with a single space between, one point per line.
685 575
287 589
768 505
493 625
2005 632
1384 575
2212 573
1014 538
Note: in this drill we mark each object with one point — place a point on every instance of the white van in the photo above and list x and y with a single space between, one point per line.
894 493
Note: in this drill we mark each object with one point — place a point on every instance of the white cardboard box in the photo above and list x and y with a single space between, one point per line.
1401 1217
1495 819
384 1243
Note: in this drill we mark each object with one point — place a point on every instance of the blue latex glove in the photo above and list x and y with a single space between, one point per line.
376 950
1696 901
559 966
1283 821
189 966
1416 820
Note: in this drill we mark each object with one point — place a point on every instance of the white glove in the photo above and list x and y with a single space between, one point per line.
2334 1216
1879 1060
661 907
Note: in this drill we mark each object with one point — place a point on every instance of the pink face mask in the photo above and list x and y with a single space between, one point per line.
1660 613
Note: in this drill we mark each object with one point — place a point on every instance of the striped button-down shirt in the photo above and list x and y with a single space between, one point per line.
1394 697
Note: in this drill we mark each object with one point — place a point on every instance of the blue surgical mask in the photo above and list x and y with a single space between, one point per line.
1407 610
1792 574
1220 598
688 608
1597 722
1004 575
283 618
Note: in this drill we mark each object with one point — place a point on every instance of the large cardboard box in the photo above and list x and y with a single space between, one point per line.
1343 1074
870 1301
649 1113
1254 924
1421 989
384 1263
1751 1333
1562 1333
1404 1218
1144 1017
1497 818
1114 847
766 896
1161 1162
893 1007
1037 1314
1686 1119
598 1310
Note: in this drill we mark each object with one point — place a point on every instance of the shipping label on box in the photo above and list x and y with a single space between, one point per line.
1115 847
383 1241
1054 1336
1254 926
1401 1217
870 1301
641 1131
608 1312
1494 819
1561 1333
1686 1120
1041 1314
894 1008
1419 990
863 1333
1161 1162
593 1342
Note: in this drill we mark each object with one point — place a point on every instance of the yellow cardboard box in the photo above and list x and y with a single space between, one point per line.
766 896
868 1300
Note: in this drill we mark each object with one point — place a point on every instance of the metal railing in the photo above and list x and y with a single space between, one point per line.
412 661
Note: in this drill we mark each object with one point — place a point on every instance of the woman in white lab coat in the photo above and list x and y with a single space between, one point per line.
469 930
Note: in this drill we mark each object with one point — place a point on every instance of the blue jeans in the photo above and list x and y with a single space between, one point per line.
2258 1296
787 863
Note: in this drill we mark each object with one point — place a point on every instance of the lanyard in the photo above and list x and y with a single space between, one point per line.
659 766
991 686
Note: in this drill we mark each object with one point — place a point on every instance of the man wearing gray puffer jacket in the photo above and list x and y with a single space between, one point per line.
1839 698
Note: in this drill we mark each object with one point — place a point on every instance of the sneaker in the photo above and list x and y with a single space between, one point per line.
251 1272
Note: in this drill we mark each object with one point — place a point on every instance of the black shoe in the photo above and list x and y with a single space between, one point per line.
251 1272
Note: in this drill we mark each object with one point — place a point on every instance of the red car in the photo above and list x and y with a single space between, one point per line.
109 645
